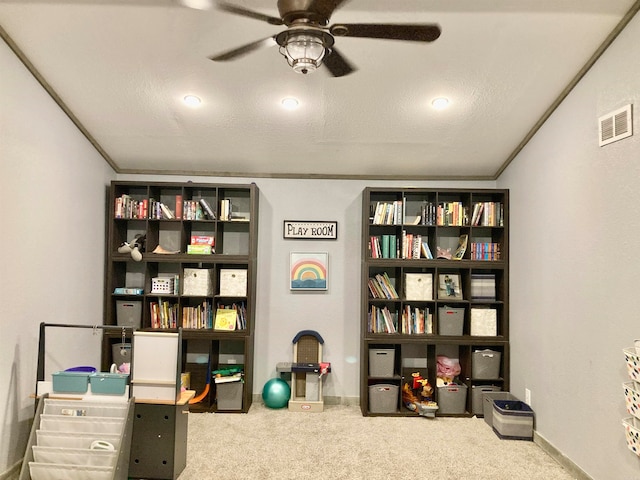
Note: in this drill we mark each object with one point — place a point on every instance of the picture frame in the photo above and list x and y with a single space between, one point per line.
309 271
449 286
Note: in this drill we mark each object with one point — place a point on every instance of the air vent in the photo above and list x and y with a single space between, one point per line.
615 126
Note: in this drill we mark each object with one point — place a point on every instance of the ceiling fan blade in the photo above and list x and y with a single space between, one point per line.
227 7
243 50
327 7
414 33
337 64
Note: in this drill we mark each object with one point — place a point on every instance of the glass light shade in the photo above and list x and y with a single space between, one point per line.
304 52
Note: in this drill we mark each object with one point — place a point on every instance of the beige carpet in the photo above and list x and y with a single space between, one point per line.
342 444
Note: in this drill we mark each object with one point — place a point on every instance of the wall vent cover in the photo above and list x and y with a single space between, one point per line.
615 126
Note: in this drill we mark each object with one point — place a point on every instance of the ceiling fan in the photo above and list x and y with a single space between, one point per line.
308 41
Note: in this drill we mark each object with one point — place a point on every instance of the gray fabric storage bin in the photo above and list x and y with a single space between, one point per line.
487 403
381 361
452 399
229 395
485 365
477 397
129 313
383 398
450 321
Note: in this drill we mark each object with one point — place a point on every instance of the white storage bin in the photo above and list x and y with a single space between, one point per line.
54 471
85 408
75 440
61 423
75 456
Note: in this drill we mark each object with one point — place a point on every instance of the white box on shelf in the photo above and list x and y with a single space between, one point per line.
418 286
233 282
163 285
484 322
198 281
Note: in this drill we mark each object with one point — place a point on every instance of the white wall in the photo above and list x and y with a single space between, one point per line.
53 184
574 267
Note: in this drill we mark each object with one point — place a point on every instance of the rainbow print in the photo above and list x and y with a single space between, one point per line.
308 271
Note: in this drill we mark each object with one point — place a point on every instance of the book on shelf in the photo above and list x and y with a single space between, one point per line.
179 207
163 314
416 321
198 316
128 291
166 212
426 251
234 377
207 209
486 251
462 247
381 320
225 319
381 286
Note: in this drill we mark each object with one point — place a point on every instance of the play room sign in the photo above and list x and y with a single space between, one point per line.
310 230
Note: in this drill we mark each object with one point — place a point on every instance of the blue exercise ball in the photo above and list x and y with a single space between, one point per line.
276 393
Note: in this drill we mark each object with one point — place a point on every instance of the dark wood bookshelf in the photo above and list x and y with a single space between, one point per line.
203 349
416 213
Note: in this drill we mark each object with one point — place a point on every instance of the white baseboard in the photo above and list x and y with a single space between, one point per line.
559 457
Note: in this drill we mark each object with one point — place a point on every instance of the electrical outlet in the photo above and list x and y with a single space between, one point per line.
527 396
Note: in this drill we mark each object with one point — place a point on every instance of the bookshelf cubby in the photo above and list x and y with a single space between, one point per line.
170 288
424 298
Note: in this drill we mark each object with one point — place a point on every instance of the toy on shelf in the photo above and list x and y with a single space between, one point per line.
307 371
418 396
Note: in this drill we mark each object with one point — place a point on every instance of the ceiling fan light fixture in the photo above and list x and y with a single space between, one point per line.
304 48
440 103
290 103
192 100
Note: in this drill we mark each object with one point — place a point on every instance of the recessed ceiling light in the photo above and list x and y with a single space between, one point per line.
440 103
199 4
192 100
290 103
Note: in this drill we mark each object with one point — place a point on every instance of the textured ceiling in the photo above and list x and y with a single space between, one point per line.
123 67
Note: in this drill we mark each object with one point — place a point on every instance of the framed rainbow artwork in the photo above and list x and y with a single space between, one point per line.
309 271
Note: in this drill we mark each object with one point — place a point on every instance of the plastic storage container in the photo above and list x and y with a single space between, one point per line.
383 398
229 395
70 382
452 399
485 365
477 397
450 321
381 361
512 419
108 383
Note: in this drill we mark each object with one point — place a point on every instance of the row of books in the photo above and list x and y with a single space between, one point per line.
199 316
485 251
407 246
453 213
381 320
164 315
380 286
194 209
416 320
